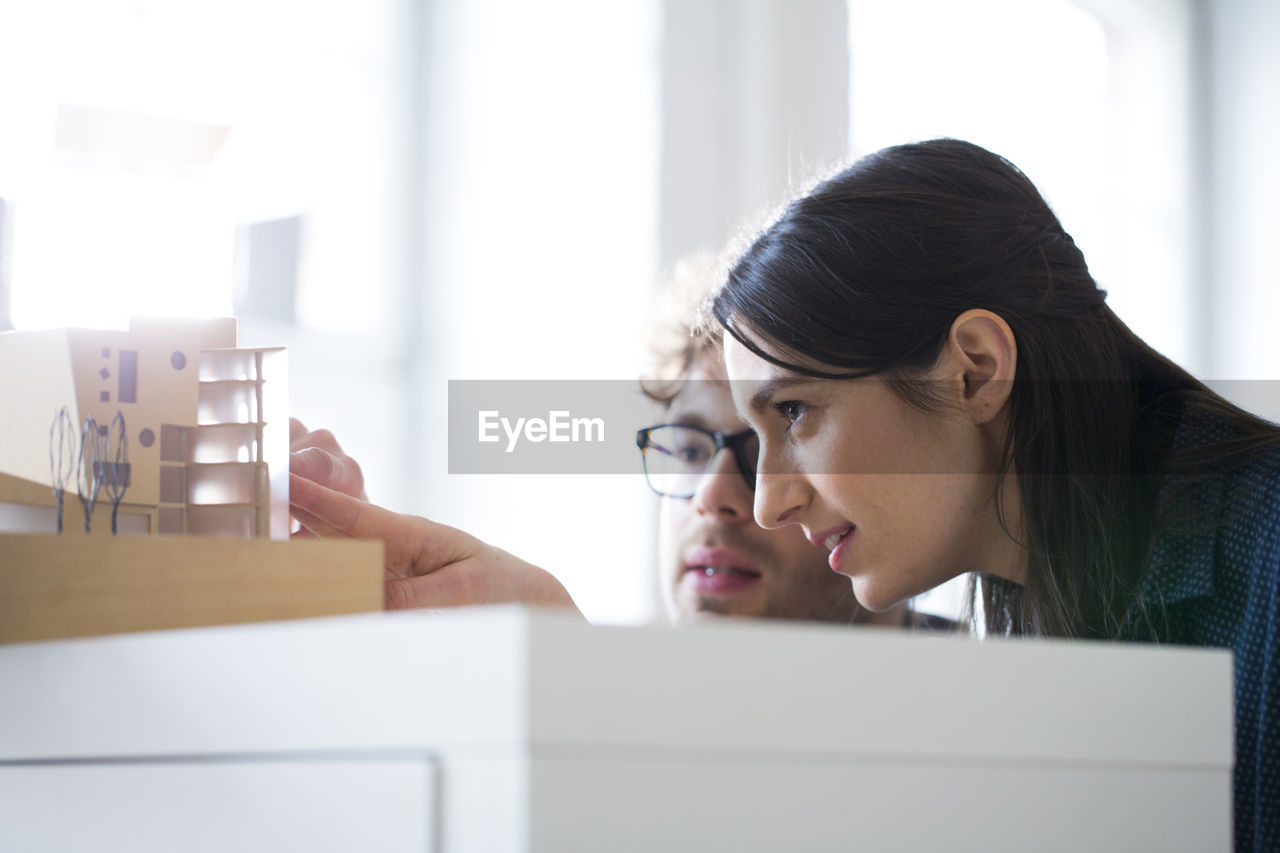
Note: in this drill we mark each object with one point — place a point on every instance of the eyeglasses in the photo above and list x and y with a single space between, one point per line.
677 456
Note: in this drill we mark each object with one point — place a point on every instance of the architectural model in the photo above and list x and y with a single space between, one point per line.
168 427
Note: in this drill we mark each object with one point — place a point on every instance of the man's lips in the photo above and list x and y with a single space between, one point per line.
717 571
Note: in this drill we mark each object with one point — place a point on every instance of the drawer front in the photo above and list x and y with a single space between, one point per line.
244 804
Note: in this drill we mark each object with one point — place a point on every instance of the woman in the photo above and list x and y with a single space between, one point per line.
939 387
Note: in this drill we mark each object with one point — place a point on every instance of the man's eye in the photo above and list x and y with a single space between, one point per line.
692 454
791 410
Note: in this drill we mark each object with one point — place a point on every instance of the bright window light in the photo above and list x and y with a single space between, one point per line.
1095 112
144 133
1024 78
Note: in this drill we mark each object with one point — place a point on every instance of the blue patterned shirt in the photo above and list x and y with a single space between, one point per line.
1217 583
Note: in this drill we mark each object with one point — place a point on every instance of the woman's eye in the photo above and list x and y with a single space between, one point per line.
791 410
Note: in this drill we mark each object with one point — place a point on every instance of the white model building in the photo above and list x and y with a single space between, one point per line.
205 431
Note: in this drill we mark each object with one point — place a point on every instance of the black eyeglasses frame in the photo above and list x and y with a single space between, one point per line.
736 442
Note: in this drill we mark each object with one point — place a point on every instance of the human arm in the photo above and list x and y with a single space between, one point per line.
427 564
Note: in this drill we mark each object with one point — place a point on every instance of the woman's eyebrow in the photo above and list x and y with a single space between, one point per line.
760 399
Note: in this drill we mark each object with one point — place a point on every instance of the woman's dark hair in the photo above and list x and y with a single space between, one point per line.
865 275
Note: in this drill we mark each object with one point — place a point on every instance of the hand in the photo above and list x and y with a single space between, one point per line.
428 564
317 457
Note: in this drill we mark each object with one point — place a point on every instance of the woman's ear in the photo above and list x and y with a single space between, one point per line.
981 352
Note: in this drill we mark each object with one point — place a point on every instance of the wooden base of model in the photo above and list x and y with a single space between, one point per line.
76 586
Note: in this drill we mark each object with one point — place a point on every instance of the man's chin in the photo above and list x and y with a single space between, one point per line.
710 608
705 611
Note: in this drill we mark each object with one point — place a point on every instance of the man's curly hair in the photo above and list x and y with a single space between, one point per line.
680 334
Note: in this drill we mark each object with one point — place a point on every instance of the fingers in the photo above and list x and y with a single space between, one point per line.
428 564
403 594
300 437
316 465
312 526
453 586
317 456
321 438
414 546
490 576
326 508
438 589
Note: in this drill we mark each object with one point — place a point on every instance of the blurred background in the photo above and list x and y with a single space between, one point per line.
405 192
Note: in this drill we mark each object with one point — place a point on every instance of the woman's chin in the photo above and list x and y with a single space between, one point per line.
878 596
874 597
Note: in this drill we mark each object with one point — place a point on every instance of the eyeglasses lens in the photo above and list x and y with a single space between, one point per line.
676 458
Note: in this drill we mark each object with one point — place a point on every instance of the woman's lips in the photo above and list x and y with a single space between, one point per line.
837 553
717 571
835 540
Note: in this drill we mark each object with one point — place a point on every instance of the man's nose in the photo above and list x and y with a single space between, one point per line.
722 491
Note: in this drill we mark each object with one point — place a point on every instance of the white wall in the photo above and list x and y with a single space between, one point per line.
1241 301
754 103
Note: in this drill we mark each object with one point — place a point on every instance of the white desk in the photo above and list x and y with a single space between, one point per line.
505 730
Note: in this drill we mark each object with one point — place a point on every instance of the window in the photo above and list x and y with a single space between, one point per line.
144 133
